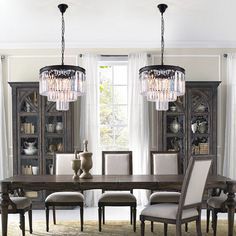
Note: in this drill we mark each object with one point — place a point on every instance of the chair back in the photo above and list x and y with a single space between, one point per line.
164 163
63 163
117 163
194 182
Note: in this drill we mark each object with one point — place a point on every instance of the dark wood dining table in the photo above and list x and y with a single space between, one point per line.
109 182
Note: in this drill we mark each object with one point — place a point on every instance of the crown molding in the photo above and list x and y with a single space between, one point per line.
122 44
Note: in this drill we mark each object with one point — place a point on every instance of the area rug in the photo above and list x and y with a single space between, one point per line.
111 228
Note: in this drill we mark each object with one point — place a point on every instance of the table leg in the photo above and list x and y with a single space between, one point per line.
230 203
4 211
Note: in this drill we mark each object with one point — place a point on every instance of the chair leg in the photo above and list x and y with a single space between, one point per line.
214 222
54 214
22 223
142 228
131 216
152 226
47 218
81 218
198 227
178 229
30 221
186 227
134 218
165 229
103 214
208 220
100 218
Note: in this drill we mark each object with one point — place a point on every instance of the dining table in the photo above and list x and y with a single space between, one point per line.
108 182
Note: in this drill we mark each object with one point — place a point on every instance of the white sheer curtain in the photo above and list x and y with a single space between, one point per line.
138 121
89 119
229 167
3 137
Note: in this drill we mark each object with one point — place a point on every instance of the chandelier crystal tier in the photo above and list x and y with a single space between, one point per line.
62 83
162 83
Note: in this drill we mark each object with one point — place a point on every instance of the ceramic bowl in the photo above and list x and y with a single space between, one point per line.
173 108
30 151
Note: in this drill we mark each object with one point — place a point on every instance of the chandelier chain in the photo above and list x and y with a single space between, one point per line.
62 39
162 39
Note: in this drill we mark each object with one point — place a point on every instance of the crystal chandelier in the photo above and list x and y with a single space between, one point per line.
162 83
62 83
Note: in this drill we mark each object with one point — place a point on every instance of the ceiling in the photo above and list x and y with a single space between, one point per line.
118 24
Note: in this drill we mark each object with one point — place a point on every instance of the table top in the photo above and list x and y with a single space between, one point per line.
111 182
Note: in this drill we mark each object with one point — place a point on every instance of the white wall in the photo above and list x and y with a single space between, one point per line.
200 64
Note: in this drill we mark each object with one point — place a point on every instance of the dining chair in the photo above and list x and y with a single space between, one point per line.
63 167
117 163
20 205
215 204
164 163
189 207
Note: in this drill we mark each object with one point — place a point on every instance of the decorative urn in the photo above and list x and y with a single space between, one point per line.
76 163
86 162
175 126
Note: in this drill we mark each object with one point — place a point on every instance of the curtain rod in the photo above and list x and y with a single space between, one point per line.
3 57
225 55
102 55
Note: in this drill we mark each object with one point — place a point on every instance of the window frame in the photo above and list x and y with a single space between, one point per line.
113 61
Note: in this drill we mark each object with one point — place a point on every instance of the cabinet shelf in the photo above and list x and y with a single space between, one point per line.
200 113
24 113
170 135
29 135
56 113
200 135
23 156
172 113
59 135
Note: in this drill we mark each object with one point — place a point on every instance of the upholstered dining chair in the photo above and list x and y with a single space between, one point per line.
20 205
190 202
117 163
164 163
215 204
63 167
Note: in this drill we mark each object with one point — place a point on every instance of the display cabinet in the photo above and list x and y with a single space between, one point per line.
190 124
39 131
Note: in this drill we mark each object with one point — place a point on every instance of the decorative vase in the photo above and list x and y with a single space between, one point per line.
175 126
59 127
76 163
86 162
202 127
194 127
50 167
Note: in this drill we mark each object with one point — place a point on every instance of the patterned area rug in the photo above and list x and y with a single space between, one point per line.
111 228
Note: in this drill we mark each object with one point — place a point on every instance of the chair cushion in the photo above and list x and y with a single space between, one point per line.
65 197
21 202
164 197
117 197
167 211
217 202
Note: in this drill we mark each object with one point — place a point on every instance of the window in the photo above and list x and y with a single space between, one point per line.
113 105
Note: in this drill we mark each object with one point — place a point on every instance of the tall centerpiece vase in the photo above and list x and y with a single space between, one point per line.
76 163
86 161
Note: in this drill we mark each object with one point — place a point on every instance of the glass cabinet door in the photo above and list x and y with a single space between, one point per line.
200 122
53 133
29 134
175 126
